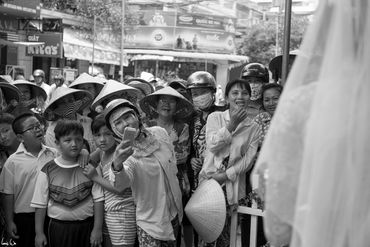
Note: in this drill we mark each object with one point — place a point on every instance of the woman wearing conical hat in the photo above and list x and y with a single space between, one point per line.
65 104
93 85
168 107
32 97
9 96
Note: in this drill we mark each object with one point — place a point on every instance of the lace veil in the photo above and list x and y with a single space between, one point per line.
315 162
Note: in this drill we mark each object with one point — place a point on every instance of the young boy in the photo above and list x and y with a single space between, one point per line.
119 207
73 202
19 177
9 142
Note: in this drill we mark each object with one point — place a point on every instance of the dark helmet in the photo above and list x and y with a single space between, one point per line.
114 104
201 79
255 70
39 72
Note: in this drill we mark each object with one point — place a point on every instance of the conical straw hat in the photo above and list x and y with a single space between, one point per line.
112 88
61 92
183 108
85 78
206 210
35 90
10 92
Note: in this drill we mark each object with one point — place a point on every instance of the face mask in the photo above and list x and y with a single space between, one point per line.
204 101
68 110
256 91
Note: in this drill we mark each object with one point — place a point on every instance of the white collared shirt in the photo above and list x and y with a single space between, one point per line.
19 175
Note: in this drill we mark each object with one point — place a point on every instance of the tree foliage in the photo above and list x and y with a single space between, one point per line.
259 42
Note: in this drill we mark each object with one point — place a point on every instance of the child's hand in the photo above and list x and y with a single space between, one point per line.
90 172
40 240
12 230
96 238
83 158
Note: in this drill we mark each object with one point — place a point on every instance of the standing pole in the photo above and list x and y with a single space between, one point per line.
277 34
93 51
122 37
287 19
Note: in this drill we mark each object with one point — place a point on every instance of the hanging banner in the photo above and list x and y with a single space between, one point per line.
154 29
204 40
52 47
149 37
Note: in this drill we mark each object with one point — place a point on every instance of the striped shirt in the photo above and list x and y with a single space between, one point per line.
115 202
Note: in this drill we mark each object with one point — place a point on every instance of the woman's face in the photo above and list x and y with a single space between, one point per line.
128 119
25 92
238 96
166 106
270 100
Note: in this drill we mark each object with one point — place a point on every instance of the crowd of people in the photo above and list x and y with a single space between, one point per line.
104 163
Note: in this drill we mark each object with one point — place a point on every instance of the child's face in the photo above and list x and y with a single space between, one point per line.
104 139
70 145
32 133
7 135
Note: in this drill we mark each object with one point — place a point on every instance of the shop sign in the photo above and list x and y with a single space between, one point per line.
51 48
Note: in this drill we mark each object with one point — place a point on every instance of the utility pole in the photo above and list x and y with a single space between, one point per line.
122 36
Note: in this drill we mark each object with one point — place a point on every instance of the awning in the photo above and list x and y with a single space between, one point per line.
193 55
152 57
79 47
20 43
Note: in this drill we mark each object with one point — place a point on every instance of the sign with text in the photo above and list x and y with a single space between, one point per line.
52 47
170 30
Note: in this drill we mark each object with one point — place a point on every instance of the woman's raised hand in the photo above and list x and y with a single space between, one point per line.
237 115
123 151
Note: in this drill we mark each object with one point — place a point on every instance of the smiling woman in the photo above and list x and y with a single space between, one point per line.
232 141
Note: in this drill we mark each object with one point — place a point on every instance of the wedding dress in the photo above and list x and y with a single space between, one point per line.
315 161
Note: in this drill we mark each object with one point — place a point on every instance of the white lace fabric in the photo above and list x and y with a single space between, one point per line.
315 160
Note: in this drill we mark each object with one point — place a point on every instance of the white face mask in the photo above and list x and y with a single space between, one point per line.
204 101
256 91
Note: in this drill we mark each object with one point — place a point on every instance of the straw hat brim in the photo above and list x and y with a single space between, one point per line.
10 91
36 90
184 107
85 78
112 88
61 92
206 210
